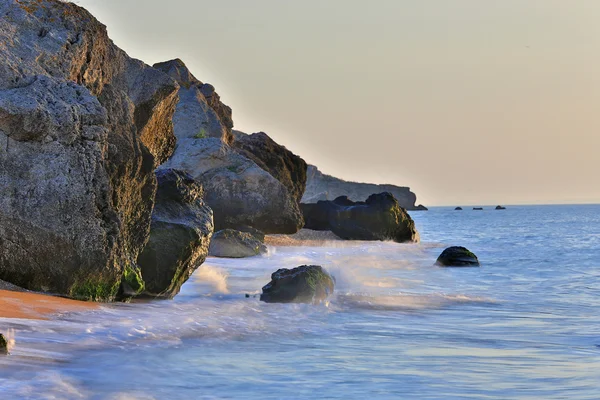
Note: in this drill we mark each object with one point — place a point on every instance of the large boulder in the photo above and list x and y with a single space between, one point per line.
320 186
200 112
304 284
180 233
378 218
230 243
281 163
239 192
82 127
457 256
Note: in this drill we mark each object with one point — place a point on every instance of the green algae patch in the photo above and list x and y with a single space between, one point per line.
94 289
132 276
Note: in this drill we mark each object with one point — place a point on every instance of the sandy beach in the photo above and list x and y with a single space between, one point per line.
17 303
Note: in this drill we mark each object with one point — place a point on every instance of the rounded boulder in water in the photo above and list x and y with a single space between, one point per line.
3 345
304 284
457 256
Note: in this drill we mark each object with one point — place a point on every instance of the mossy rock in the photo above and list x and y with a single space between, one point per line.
457 256
229 243
94 289
305 284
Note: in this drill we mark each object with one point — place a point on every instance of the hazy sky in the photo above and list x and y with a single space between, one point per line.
465 101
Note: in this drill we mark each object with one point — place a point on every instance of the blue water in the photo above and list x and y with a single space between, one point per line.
523 326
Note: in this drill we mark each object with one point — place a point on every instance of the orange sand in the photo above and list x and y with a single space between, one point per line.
37 306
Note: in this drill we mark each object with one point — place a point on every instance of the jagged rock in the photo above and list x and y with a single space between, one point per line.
239 192
378 218
457 256
180 233
230 243
281 163
320 186
304 284
200 112
76 181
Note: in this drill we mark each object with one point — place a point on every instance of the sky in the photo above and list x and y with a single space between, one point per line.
468 102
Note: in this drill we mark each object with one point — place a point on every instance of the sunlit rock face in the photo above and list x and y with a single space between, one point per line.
82 127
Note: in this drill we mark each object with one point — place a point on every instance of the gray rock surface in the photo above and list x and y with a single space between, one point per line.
457 256
230 243
180 233
239 192
320 186
76 180
200 112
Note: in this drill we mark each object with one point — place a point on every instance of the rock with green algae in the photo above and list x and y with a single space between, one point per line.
304 284
180 233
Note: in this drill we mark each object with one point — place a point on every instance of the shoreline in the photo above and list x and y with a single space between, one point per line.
21 304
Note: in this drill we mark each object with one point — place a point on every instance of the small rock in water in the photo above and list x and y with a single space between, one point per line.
247 296
304 284
458 209
3 345
478 208
500 208
457 256
229 243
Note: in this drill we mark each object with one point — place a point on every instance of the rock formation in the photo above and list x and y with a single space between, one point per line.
82 126
304 284
229 243
180 233
320 186
457 256
378 218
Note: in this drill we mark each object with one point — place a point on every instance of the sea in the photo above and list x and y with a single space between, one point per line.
525 325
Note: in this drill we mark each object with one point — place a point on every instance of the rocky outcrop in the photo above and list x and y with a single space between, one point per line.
239 192
180 233
320 186
281 163
378 218
457 256
305 284
200 112
82 126
229 243
3 345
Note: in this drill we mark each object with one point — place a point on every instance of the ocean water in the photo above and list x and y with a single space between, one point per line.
523 326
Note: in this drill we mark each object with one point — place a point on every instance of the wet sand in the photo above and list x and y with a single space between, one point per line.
29 305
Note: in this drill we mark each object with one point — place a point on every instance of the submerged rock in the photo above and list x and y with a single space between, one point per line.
81 128
180 233
478 208
304 284
239 192
380 217
457 256
230 243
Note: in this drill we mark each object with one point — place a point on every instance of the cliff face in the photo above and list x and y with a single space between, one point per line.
320 186
82 127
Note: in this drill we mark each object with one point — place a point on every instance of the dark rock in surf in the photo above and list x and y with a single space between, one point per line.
457 256
304 284
500 208
180 233
3 345
229 243
458 209
478 208
378 218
